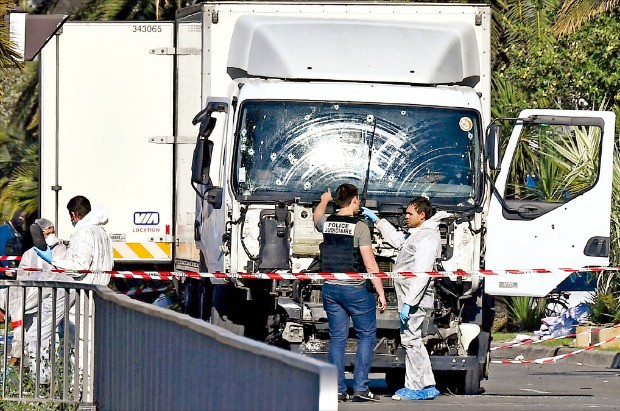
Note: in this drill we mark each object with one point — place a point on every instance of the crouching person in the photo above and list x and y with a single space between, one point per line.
26 322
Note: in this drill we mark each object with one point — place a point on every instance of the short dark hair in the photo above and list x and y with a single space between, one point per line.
344 194
422 205
79 205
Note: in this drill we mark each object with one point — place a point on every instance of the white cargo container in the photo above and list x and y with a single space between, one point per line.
106 123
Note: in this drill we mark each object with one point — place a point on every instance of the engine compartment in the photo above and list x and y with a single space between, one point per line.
290 313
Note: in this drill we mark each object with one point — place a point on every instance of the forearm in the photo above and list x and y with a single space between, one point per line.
319 211
378 284
389 233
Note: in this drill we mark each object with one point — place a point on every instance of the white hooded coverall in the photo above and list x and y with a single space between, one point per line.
32 317
418 252
90 248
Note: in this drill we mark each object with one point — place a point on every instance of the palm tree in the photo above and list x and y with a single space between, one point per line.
18 173
8 56
575 13
535 16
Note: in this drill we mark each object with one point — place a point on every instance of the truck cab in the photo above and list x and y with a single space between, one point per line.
300 120
303 115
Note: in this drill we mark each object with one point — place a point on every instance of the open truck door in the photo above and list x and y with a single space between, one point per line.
552 204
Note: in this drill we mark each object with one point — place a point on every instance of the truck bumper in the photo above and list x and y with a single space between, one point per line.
456 363
386 361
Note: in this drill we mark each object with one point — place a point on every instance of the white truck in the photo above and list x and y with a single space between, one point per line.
290 98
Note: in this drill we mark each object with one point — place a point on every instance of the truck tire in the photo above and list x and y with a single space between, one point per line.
198 295
460 382
471 382
226 308
394 379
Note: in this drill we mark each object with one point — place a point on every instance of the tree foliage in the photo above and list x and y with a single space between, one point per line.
578 71
8 55
575 13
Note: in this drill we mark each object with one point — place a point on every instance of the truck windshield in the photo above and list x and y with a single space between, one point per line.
295 150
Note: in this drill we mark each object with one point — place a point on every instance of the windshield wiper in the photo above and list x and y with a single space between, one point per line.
369 118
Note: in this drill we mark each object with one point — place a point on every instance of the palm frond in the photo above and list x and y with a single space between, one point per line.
576 13
26 108
8 54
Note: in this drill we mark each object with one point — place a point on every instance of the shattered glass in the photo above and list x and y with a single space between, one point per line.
298 149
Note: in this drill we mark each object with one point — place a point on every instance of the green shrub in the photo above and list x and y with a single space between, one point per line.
604 308
526 313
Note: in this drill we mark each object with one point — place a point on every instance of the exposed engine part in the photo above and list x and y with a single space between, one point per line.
274 239
306 238
293 332
467 334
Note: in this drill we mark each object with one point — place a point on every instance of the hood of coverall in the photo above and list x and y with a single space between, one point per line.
97 216
433 222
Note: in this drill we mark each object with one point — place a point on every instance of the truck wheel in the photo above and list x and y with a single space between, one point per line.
395 379
471 382
484 367
198 295
226 308
461 382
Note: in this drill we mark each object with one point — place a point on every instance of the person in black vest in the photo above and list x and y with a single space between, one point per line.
347 247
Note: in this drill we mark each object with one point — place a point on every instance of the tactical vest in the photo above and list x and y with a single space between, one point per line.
339 253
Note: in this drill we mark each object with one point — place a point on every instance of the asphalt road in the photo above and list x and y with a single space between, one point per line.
562 386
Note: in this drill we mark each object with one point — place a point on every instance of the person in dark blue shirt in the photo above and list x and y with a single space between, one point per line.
11 238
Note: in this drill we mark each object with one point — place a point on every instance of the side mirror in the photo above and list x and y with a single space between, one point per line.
203 152
214 197
214 105
201 161
492 146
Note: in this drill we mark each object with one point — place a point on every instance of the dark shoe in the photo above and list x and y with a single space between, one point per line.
342 397
364 396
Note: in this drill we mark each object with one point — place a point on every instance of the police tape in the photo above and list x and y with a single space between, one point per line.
10 257
532 342
144 290
168 275
550 360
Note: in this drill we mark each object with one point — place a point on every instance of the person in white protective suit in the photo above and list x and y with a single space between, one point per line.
23 305
90 247
419 249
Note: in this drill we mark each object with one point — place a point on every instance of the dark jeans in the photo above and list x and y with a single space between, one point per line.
344 302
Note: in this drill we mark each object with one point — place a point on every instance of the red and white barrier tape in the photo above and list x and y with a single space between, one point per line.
138 291
167 275
10 257
531 342
549 360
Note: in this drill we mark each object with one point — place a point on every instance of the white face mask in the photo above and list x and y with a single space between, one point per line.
51 239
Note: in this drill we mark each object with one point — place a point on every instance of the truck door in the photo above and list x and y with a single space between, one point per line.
188 103
106 122
554 208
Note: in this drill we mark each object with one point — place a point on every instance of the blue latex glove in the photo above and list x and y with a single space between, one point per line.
45 255
369 215
404 313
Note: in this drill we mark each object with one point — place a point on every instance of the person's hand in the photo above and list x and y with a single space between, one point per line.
404 313
326 197
45 255
369 215
381 302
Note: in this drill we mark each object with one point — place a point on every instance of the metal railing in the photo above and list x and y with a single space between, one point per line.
137 356
47 354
